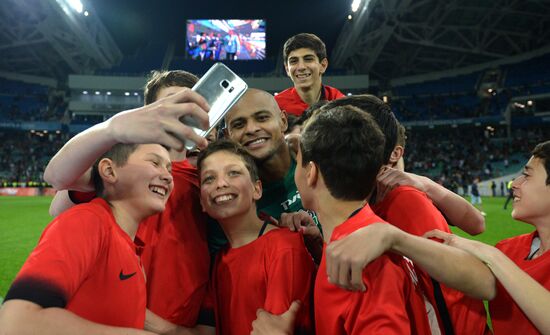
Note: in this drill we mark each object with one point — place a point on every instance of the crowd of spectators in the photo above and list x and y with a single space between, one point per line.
24 155
455 156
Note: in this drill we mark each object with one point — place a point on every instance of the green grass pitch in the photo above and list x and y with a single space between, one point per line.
22 220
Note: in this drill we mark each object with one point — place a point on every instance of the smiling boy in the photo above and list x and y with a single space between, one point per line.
85 275
305 57
263 266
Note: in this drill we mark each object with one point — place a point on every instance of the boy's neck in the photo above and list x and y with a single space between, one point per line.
332 212
310 94
126 217
276 167
242 229
543 229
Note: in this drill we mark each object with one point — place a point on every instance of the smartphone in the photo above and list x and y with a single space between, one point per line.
221 88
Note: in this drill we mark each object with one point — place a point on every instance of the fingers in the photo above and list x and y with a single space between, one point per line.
356 279
188 95
294 308
259 312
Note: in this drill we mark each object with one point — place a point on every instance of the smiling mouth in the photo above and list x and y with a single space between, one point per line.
303 75
256 142
225 198
160 190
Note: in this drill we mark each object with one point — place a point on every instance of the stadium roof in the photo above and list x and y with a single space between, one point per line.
384 38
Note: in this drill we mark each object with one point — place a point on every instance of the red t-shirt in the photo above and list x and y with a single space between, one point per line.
175 258
413 212
268 273
391 304
289 100
177 262
84 262
506 315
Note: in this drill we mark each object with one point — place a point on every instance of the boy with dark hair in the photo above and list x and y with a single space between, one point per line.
176 238
85 276
514 274
263 266
340 154
305 58
412 211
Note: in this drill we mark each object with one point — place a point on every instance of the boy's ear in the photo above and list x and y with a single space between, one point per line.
324 65
257 195
312 174
396 154
107 171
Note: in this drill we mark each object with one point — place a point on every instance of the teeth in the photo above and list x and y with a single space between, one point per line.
260 140
158 190
223 198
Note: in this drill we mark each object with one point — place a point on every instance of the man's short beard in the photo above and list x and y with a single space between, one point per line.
269 155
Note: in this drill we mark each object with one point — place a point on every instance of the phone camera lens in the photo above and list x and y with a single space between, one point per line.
225 83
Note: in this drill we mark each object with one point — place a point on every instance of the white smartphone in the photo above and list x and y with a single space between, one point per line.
221 88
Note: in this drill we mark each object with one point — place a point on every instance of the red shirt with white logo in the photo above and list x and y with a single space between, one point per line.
289 100
391 304
84 262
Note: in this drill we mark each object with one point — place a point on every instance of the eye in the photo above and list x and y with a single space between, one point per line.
234 173
207 180
237 125
155 163
262 117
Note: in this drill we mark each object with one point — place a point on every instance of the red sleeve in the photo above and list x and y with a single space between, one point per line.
61 261
413 212
381 309
290 277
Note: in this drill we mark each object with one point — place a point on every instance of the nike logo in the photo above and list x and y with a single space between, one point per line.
122 276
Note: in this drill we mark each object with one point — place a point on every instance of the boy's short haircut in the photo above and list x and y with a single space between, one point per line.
161 79
380 111
305 40
401 136
233 148
119 154
347 146
542 152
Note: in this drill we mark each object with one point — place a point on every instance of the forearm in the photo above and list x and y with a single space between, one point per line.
158 325
456 209
70 167
531 297
60 203
451 266
22 317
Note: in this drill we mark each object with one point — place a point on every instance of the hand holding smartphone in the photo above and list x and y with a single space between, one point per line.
221 88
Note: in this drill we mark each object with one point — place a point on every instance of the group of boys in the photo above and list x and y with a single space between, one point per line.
140 247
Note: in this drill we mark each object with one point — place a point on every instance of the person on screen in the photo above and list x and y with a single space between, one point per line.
232 46
305 57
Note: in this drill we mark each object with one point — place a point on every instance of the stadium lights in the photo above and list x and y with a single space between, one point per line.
86 13
385 99
76 5
350 17
84 92
108 93
349 94
529 102
127 93
97 93
355 5
136 94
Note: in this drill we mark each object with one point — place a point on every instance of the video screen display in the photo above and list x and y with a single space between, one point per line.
216 40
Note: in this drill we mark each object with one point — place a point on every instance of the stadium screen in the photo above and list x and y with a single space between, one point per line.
225 39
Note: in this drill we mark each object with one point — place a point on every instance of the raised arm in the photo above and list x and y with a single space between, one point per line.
25 317
452 266
456 209
154 123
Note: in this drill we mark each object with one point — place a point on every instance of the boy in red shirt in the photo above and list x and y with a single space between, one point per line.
514 274
339 157
85 275
175 240
305 57
263 266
